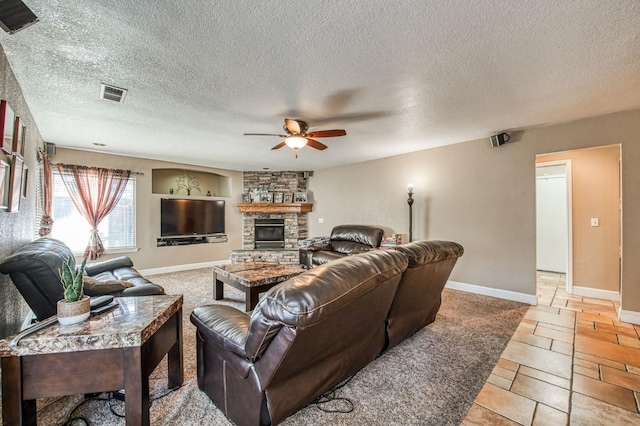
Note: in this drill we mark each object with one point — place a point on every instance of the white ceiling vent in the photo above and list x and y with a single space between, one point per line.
112 93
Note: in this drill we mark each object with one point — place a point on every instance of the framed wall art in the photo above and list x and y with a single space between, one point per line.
7 124
278 197
5 182
25 180
288 198
16 183
300 197
19 135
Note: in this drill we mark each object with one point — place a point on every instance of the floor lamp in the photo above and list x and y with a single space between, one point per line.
410 202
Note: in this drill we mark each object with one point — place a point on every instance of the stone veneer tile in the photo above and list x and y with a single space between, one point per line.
594 374
585 323
524 330
564 320
503 372
585 363
602 361
545 377
507 404
546 416
618 329
608 350
547 309
562 347
509 365
590 411
596 334
537 390
611 394
499 381
538 358
530 339
559 303
594 317
557 327
632 369
631 342
621 378
554 334
480 416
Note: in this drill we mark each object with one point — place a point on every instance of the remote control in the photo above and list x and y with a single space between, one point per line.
99 301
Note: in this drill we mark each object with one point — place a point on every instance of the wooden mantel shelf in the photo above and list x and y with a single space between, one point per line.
275 207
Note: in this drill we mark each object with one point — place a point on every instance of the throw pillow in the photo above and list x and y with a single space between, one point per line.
93 287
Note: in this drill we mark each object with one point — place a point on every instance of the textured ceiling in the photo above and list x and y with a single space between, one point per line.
399 76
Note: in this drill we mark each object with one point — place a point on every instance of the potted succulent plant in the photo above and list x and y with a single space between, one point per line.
75 307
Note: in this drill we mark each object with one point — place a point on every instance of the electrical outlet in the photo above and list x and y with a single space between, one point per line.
595 221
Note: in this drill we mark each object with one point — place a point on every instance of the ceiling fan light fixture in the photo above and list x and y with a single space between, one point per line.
295 142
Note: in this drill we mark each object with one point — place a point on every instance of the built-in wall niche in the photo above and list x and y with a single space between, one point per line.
184 182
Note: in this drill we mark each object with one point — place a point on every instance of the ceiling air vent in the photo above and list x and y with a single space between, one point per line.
112 93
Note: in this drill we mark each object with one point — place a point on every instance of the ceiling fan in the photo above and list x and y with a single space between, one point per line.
298 135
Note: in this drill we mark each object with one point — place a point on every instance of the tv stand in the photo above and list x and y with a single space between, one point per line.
181 241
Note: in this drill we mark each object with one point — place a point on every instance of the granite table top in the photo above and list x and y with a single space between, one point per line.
130 323
253 274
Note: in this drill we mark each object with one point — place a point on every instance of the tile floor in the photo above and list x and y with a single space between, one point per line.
570 362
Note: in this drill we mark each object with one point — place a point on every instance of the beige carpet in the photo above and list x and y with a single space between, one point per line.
431 378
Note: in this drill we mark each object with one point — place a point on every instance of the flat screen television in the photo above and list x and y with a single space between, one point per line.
190 218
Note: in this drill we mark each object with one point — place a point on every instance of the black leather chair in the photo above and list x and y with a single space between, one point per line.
35 271
343 241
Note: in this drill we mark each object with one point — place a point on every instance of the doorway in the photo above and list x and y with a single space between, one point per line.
553 219
581 190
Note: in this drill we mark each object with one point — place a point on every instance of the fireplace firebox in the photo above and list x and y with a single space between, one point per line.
269 233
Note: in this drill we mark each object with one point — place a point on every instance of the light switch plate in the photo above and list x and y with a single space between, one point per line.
595 221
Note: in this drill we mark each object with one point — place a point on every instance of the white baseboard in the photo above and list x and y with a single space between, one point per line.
596 293
493 292
631 317
178 268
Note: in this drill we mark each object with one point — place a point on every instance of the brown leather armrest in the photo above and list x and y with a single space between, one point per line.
223 325
320 247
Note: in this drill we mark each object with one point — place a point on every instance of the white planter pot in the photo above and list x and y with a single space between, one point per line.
73 312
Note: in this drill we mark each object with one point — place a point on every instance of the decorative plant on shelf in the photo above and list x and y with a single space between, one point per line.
75 307
187 182
72 280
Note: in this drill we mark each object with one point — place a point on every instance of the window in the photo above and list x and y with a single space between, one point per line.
117 230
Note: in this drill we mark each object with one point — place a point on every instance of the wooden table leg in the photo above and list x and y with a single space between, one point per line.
15 411
218 291
251 298
175 360
136 385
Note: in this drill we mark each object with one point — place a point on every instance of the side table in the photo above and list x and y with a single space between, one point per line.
114 350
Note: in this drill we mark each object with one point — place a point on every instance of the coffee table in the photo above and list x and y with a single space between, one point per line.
252 278
117 349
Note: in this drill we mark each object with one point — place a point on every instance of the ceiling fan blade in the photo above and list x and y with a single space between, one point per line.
264 134
315 144
327 133
280 145
294 126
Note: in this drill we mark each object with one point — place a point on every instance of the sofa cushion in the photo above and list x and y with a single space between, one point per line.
93 287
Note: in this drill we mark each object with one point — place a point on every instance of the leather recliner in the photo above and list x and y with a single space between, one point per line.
345 240
35 271
304 337
418 297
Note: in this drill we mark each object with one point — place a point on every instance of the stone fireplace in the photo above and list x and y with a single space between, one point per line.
268 233
292 216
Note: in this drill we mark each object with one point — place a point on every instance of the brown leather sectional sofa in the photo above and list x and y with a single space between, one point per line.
345 240
313 331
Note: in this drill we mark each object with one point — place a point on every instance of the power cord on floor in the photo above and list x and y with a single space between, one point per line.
71 420
111 396
330 396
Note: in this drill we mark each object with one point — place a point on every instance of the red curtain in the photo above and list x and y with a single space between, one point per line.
95 193
46 221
